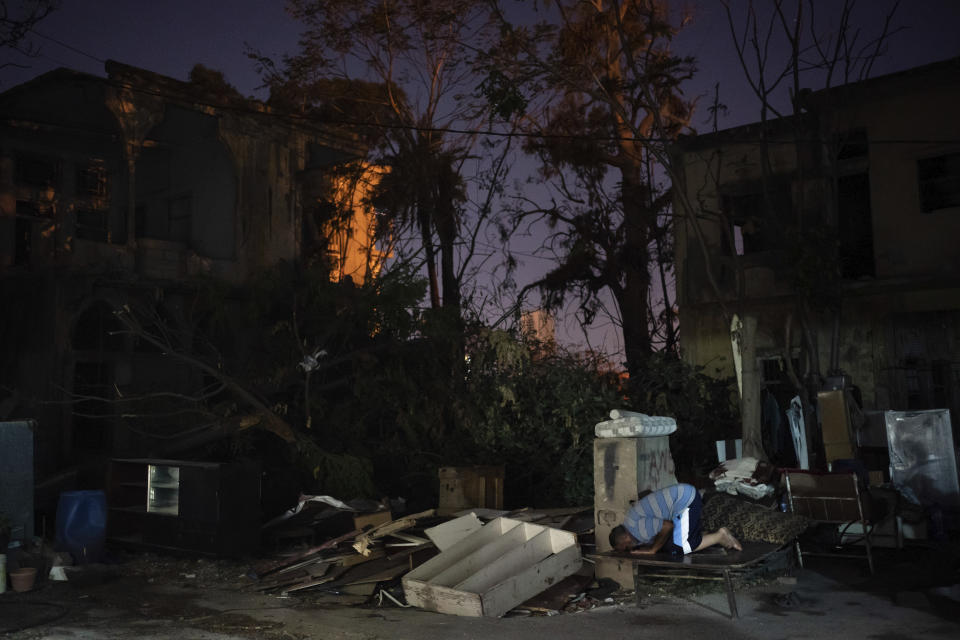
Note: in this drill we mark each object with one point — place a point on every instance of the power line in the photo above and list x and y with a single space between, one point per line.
456 130
67 46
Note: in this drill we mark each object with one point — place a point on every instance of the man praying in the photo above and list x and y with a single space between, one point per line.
667 519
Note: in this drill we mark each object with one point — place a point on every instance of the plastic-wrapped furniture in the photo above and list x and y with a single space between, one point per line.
833 498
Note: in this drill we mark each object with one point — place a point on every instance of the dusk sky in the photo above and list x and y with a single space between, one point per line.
169 37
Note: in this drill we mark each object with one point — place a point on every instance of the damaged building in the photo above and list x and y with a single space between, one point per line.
138 186
835 232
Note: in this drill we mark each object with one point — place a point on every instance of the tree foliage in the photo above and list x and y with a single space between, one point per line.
605 97
398 72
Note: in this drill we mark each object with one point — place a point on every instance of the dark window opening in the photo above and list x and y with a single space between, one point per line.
92 224
913 386
92 180
942 382
854 144
174 224
26 209
23 241
855 226
36 171
770 370
757 220
773 370
939 182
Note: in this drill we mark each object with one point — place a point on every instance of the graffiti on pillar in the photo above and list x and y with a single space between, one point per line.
610 468
655 468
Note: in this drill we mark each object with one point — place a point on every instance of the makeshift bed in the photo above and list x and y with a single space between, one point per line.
711 564
763 531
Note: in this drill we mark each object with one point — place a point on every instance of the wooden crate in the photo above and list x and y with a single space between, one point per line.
469 487
494 569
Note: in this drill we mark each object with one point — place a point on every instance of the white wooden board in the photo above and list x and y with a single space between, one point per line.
494 569
449 533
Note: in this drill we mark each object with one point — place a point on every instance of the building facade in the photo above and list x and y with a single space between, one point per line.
834 234
136 186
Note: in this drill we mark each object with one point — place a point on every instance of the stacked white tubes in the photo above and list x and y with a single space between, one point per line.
630 424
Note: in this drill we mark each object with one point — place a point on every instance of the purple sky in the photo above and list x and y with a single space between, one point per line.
170 36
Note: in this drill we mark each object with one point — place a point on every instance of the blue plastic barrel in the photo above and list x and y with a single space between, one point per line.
82 524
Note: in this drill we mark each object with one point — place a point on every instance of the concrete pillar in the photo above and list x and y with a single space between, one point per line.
622 469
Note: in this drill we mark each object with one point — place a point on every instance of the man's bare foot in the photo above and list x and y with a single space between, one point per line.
727 540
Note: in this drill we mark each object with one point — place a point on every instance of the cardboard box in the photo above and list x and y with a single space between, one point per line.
835 426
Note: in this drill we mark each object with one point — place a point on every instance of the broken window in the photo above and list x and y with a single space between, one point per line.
92 180
939 182
757 220
36 171
855 226
23 241
30 210
853 144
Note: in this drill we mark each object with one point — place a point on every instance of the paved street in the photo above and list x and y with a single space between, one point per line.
834 599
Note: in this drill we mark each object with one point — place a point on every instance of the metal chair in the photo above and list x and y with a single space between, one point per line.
832 498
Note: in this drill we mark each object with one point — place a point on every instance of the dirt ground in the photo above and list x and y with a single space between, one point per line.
915 593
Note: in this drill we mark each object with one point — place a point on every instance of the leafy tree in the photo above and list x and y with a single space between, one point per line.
399 74
411 61
610 101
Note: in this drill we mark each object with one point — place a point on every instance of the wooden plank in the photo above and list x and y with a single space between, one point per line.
355 558
373 519
363 541
396 561
267 568
406 537
529 516
304 564
441 599
315 582
483 512
449 533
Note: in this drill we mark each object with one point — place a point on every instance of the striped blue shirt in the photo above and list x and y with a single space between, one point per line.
645 518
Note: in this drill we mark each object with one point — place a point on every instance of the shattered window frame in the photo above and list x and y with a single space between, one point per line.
93 180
